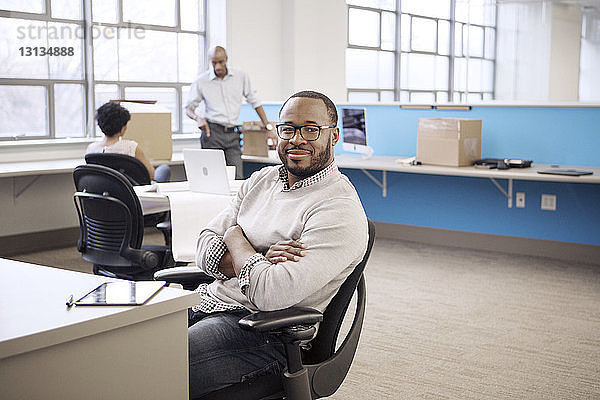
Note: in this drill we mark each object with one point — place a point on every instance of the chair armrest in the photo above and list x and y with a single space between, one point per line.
187 276
269 321
147 259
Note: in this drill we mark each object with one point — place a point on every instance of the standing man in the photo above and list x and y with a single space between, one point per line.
290 237
221 89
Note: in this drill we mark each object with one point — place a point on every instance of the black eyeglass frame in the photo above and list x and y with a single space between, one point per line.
299 128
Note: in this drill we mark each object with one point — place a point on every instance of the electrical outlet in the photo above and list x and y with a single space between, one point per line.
520 200
549 202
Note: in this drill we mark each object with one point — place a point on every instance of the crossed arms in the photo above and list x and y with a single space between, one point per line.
268 256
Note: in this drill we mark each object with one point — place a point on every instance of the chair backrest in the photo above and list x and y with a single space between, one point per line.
323 345
110 215
328 367
131 167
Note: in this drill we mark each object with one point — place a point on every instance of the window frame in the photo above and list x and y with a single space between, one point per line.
88 80
49 82
399 90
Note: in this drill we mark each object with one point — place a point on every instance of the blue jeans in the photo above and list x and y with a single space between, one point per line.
162 173
221 353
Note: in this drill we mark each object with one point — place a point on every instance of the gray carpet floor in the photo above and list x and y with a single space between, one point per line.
445 323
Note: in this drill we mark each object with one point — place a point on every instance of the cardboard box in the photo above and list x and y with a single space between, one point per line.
150 126
451 142
254 139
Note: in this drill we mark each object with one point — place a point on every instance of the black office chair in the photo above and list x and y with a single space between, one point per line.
112 227
311 373
137 174
131 167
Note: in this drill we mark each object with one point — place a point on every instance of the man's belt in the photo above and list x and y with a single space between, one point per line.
226 129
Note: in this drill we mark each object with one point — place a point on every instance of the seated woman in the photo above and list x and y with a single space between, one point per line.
112 120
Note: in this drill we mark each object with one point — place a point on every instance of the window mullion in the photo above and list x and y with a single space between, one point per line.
119 12
88 61
178 15
51 108
495 51
397 69
179 101
451 50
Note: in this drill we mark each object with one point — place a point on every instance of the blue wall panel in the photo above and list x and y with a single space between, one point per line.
567 136
476 205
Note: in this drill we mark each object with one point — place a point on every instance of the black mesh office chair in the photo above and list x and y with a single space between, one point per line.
137 174
131 167
311 373
112 227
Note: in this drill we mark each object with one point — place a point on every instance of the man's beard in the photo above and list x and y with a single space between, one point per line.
224 72
320 161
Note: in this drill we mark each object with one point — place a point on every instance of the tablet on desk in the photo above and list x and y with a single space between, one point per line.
127 293
570 172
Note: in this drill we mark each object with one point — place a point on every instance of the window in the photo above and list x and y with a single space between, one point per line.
49 66
433 51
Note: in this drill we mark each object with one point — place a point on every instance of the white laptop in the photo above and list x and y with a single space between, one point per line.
205 170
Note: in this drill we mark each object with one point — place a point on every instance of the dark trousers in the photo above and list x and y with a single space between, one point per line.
229 142
221 353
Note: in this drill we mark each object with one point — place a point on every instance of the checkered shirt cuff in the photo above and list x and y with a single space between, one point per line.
215 252
244 276
209 304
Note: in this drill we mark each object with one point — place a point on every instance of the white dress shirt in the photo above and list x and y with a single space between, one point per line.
222 97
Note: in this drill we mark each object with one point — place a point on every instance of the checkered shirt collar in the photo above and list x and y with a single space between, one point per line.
311 180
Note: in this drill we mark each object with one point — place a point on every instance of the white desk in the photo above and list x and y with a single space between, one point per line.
388 163
379 163
190 212
150 200
48 351
66 166
60 166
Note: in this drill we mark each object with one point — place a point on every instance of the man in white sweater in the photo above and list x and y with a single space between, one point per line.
290 237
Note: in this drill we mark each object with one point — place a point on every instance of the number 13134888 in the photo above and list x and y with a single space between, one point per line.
46 51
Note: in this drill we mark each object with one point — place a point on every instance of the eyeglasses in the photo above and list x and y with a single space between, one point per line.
309 132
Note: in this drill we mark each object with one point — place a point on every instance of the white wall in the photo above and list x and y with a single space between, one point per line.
255 43
216 12
589 83
523 51
564 53
289 45
538 52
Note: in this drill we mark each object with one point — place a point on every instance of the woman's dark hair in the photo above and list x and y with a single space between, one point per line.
331 110
112 118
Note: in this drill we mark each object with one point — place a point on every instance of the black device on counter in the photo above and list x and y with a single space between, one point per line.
571 172
502 163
